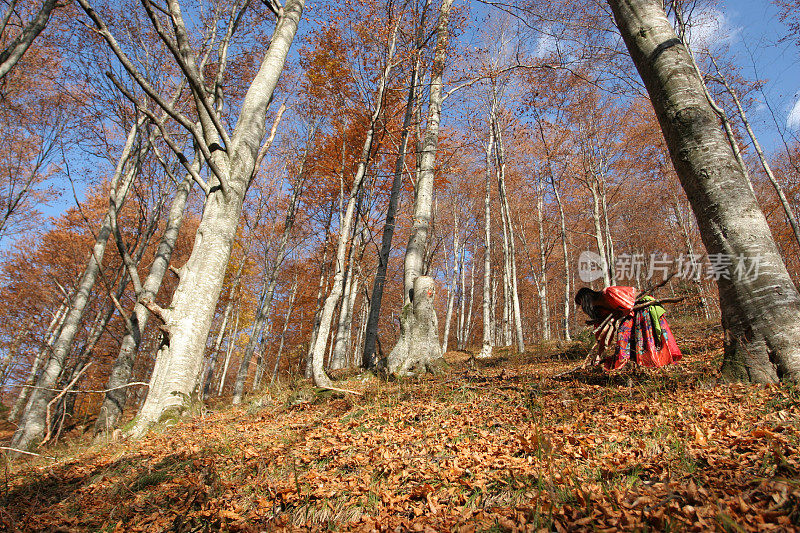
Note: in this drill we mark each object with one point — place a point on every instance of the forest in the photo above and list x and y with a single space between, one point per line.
311 266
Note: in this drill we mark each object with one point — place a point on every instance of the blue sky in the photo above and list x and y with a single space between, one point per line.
752 29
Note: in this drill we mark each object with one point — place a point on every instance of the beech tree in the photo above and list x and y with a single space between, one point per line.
231 159
760 314
418 348
32 423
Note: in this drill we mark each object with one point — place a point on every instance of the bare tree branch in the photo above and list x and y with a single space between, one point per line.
14 51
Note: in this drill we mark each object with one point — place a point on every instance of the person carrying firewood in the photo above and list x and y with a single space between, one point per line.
632 323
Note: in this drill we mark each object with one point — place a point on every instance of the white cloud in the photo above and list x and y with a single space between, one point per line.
793 120
710 28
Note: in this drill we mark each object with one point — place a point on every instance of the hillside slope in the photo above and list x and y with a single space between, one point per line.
497 445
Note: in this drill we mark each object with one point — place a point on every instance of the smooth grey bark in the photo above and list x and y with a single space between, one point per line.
344 329
593 184
338 348
565 253
468 323
562 226
760 314
543 300
84 355
416 250
505 322
416 350
321 379
215 351
351 303
188 320
129 274
271 282
261 361
32 423
114 401
362 329
609 237
14 50
488 325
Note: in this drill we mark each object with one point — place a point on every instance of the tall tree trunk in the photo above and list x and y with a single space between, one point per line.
544 305
609 238
505 324
42 353
356 355
462 300
488 325
345 227
451 293
517 308
84 355
418 348
468 325
563 228
342 338
32 423
261 360
369 360
234 334
760 314
189 318
114 400
505 328
320 294
599 237
351 303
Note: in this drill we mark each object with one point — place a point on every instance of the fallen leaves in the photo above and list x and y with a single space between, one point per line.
664 452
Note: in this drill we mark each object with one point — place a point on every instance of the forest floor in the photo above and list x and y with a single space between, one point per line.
496 446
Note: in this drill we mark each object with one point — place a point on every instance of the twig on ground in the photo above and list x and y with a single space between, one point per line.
343 390
6 448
